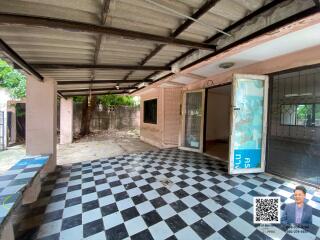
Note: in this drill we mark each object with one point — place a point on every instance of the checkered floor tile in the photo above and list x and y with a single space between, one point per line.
165 194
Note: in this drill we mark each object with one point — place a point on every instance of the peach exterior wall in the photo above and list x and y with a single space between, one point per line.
165 133
66 121
171 116
41 119
151 133
297 59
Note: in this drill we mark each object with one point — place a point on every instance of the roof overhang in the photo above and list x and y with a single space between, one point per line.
293 37
128 45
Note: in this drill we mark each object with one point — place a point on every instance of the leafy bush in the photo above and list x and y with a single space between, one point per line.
78 99
116 100
13 80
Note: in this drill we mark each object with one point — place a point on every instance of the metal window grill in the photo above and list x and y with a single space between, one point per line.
294 129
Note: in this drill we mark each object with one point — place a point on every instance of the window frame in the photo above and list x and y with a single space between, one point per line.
150 121
296 105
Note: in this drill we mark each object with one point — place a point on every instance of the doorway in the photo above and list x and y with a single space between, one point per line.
217 118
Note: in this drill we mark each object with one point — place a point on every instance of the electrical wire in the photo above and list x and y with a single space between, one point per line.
188 17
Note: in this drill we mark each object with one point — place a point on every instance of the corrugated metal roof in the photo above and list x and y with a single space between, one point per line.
45 45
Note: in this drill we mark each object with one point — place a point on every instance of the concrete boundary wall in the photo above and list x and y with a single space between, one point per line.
120 118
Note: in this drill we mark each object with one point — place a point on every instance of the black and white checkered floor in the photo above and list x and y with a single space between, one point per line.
166 194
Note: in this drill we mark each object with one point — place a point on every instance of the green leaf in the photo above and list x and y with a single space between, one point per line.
13 80
116 100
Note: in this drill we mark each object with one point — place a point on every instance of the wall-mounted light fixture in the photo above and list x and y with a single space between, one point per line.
226 65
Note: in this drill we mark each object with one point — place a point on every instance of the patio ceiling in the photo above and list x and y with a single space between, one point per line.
99 44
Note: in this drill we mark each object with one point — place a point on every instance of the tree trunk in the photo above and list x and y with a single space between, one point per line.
87 111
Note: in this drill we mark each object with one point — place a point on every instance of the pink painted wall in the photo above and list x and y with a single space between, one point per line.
41 119
151 133
166 132
171 115
169 102
66 120
304 57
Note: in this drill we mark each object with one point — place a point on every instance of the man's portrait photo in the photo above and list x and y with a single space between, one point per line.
298 212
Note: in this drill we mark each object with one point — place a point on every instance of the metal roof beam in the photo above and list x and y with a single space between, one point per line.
103 81
74 26
270 28
243 20
19 61
61 95
104 14
96 93
97 89
99 67
199 13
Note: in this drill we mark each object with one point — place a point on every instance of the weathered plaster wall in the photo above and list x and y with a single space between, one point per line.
120 118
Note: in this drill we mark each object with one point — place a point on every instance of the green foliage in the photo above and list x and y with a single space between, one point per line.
20 110
303 111
116 100
78 99
317 110
13 80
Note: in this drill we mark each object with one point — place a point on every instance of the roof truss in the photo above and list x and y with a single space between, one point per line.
68 25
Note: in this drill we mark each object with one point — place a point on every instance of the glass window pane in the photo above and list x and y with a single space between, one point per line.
304 115
288 114
317 115
193 120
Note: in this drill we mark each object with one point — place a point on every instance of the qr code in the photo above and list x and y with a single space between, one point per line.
266 210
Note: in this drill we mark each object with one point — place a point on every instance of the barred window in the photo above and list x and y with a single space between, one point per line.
307 115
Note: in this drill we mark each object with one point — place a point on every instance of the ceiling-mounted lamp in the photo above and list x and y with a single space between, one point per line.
226 65
117 86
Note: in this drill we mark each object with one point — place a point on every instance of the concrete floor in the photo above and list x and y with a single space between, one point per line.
10 156
102 144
